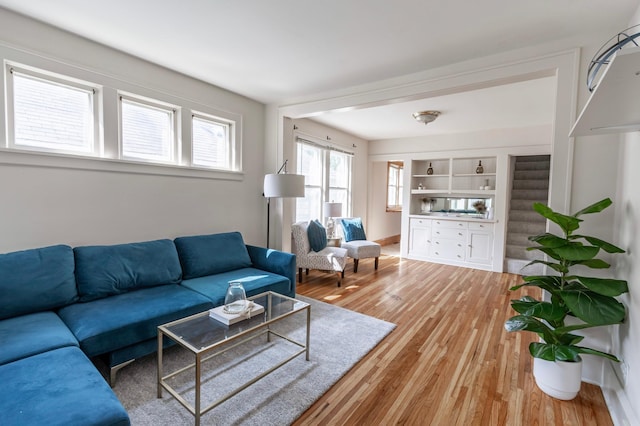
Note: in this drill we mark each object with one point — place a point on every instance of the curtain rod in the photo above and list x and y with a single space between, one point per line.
323 146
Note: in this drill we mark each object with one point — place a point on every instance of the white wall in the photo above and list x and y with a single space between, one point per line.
626 339
42 205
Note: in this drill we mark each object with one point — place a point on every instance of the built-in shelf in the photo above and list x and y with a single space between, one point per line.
614 105
473 174
429 176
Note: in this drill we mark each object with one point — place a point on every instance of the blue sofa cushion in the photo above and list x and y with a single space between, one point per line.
353 229
59 387
125 319
254 281
317 235
32 334
203 255
36 280
103 271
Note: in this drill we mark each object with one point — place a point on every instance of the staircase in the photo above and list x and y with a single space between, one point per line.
530 185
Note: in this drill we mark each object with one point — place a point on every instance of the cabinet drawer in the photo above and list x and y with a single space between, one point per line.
422 223
454 224
448 249
480 226
450 233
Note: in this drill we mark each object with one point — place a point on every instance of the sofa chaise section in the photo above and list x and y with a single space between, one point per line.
58 387
125 292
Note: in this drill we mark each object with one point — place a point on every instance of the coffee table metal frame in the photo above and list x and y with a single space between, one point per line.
237 336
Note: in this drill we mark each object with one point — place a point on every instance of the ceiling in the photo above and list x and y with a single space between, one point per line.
281 50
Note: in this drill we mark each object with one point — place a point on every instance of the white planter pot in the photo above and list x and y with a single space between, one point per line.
558 379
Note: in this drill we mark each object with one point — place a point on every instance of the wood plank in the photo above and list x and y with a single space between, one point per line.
449 361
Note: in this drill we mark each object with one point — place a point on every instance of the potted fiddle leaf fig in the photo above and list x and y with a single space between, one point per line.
575 301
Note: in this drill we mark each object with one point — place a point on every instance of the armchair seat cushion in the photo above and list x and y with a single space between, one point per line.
360 249
32 334
59 387
327 259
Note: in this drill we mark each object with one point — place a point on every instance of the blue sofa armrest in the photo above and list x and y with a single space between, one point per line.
274 261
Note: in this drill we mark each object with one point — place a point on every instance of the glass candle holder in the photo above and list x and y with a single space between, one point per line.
235 301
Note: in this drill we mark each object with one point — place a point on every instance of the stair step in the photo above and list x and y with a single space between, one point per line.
518 239
526 216
524 227
530 194
521 252
530 158
532 165
524 204
530 184
518 266
531 174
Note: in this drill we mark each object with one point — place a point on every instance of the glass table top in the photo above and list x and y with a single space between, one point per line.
201 332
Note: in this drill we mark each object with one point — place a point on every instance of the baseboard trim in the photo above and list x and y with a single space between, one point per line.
615 397
388 240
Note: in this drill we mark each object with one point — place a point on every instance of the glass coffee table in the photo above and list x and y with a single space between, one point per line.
206 338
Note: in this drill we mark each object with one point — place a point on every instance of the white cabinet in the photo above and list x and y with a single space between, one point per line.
451 241
419 237
480 239
448 240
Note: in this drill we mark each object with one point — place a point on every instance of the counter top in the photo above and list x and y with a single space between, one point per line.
453 216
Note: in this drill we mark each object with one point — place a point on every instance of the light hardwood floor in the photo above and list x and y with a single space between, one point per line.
448 362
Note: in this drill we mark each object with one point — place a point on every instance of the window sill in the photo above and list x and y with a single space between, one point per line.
40 159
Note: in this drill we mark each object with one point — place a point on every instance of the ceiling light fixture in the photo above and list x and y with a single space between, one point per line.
426 117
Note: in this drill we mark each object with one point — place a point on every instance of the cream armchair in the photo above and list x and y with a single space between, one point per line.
328 259
358 248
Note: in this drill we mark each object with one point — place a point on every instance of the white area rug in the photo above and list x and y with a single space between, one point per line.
339 339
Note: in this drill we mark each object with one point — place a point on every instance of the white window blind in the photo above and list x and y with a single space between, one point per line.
51 115
147 131
211 143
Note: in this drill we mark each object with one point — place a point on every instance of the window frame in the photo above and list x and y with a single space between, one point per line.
174 110
398 168
325 186
96 146
233 150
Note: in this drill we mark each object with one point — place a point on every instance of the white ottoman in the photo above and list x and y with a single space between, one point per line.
362 249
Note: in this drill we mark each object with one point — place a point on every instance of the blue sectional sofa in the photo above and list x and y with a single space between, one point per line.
63 306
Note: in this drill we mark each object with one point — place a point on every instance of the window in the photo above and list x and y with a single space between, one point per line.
147 130
212 142
83 118
48 112
327 178
394 186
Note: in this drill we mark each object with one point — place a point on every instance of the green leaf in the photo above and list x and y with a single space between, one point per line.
526 323
608 247
594 308
604 286
595 207
590 351
576 251
592 263
552 352
548 251
545 310
554 266
548 240
567 223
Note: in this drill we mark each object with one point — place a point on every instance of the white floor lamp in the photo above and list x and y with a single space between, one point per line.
281 185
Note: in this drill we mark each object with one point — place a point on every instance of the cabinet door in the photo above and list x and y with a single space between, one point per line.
480 247
419 240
